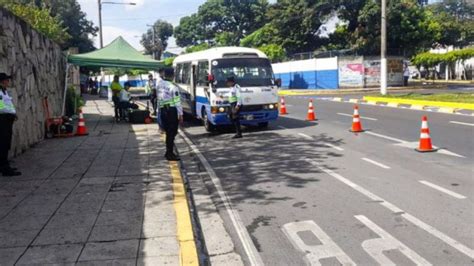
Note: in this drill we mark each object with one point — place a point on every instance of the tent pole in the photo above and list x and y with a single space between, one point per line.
65 90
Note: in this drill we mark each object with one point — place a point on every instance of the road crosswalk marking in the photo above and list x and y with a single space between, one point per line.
428 228
376 246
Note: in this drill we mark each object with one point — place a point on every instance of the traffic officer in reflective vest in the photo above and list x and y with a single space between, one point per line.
171 112
235 104
7 117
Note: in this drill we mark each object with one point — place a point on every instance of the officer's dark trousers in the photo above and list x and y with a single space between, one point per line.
169 120
235 118
6 130
116 101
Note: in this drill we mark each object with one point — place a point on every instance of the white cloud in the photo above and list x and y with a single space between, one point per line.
110 33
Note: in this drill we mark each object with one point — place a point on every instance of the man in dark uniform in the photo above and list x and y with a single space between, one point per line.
7 117
171 112
235 104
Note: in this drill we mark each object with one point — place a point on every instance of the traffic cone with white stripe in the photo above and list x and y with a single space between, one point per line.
425 139
356 124
311 115
282 106
81 126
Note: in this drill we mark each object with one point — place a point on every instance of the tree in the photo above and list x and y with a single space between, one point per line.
39 19
162 31
275 52
297 23
72 18
224 22
410 27
190 31
456 18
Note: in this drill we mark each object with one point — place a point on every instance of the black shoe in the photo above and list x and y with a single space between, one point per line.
10 172
237 136
172 157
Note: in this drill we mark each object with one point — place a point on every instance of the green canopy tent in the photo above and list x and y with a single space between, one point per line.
119 53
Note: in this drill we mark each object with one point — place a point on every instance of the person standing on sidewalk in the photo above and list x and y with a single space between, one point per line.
161 75
116 88
171 111
7 118
235 104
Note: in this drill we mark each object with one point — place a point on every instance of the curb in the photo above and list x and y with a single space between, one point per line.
309 92
420 103
394 104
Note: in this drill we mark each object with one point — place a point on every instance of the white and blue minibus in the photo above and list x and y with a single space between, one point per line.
202 79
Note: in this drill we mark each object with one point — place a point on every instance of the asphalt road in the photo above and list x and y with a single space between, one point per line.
313 191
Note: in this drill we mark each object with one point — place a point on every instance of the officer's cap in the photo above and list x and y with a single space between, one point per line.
4 76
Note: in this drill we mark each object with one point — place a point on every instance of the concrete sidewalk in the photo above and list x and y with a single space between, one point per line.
102 199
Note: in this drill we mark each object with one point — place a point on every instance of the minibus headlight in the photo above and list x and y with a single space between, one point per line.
221 109
271 106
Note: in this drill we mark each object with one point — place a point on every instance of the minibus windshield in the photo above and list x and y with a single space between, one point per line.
248 72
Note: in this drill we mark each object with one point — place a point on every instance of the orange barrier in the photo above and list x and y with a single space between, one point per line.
311 115
81 127
425 139
282 106
356 124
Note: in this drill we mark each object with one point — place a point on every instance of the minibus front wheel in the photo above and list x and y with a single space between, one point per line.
207 124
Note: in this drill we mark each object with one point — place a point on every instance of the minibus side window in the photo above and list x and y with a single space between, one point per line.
178 77
203 71
186 74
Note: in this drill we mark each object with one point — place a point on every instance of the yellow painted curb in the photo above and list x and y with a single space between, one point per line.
467 106
337 99
447 110
393 104
187 246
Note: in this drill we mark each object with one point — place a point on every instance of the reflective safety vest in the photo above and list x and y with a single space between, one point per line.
234 95
149 87
168 95
6 104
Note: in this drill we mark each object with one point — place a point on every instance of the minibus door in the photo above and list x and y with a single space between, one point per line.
192 91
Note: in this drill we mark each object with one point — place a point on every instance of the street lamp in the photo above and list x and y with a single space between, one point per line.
383 50
153 39
100 3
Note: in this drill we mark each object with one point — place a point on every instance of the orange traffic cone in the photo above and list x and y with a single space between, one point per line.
356 125
311 115
81 127
282 106
425 139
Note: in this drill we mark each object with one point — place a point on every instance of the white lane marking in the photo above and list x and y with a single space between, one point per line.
314 253
363 117
376 163
428 228
247 243
305 136
375 247
333 146
385 137
414 144
447 191
282 127
462 123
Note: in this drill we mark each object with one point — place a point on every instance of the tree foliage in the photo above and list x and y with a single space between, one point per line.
71 18
39 19
162 31
222 22
275 52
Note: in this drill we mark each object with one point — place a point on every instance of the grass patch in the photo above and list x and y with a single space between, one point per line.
442 97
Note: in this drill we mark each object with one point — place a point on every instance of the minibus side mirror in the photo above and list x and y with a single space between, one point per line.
278 82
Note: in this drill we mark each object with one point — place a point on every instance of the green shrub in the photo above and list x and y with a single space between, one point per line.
73 101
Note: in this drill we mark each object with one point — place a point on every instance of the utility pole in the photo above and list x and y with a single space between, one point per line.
383 50
100 24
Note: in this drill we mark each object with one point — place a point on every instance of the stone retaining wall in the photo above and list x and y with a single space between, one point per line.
38 66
